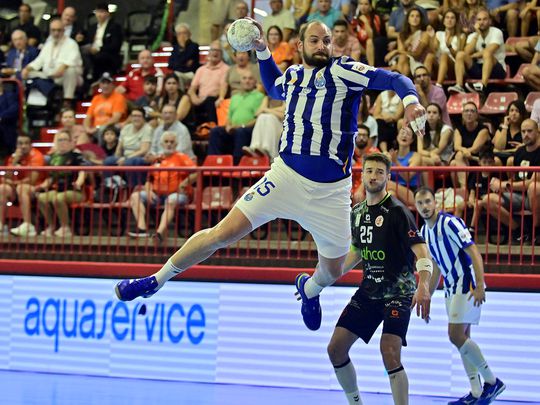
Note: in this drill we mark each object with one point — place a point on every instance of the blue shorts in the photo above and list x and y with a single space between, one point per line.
178 198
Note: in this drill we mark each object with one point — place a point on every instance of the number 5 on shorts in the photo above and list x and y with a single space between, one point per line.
265 187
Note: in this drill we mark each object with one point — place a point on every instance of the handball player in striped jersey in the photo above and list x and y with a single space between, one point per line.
310 180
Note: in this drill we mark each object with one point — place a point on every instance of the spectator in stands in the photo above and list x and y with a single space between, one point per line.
21 184
102 54
365 118
526 48
447 44
508 137
26 24
61 188
240 121
59 61
528 10
232 82
267 129
184 59
535 113
363 147
344 43
72 29
403 184
281 17
300 10
413 45
432 8
343 6
228 51
325 13
369 29
505 10
470 138
170 123
150 98
531 73
522 192
429 93
172 95
132 88
107 108
9 119
168 188
483 56
19 55
110 140
204 89
467 18
281 50
388 110
293 43
398 17
234 10
67 120
478 186
436 147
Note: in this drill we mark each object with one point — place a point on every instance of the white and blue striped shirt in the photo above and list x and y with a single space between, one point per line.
321 111
447 241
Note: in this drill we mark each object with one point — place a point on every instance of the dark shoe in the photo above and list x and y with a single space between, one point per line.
311 308
139 233
491 391
128 290
468 399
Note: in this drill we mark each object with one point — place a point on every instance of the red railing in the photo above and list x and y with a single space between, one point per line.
99 228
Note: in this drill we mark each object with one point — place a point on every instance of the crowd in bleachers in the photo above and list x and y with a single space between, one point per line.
173 110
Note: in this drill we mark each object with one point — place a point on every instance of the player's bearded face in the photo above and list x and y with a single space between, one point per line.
374 186
318 58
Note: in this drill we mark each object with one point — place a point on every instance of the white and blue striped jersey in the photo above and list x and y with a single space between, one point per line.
447 241
321 111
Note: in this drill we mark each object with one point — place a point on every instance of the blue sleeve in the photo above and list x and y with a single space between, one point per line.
270 74
11 112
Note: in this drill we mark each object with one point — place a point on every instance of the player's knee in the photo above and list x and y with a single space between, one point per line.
457 337
391 354
336 353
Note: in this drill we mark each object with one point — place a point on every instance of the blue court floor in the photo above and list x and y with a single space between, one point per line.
25 388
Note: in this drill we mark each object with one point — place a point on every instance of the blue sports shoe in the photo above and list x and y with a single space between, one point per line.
127 290
491 391
311 308
468 399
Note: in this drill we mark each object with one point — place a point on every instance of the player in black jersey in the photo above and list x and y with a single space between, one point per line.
385 238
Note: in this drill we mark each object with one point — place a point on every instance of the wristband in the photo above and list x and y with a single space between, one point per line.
424 264
410 99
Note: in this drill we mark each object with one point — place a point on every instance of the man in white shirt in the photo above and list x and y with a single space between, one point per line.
59 60
483 56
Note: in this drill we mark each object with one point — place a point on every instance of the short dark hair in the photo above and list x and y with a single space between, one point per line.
139 109
341 23
150 79
424 190
486 153
378 157
24 135
364 127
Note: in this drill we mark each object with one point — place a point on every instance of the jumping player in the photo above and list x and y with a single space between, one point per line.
310 181
385 239
457 257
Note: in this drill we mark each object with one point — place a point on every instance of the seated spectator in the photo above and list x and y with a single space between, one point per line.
61 188
293 43
26 24
362 148
132 88
229 11
483 57
72 29
369 29
365 118
84 143
19 55
168 188
170 123
281 17
432 8
508 137
133 145
232 82
535 113
204 89
106 108
413 45
228 51
184 59
470 138
522 192
399 17
59 61
467 17
504 11
343 6
526 48
344 43
150 98
240 121
531 73
300 10
20 184
529 10
478 186
102 53
447 44
436 146
281 50
172 95
325 13
110 139
388 110
428 93
9 119
267 129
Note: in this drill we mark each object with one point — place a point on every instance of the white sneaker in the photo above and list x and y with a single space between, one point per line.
47 232
475 87
24 229
63 232
456 89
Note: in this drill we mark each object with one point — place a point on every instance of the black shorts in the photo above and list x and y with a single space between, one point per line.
362 316
498 72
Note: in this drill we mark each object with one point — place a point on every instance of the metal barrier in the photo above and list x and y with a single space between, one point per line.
99 224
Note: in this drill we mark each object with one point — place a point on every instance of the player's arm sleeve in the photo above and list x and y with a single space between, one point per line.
458 233
271 76
406 226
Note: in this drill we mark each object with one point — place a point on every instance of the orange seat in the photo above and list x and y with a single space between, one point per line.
217 160
531 98
47 134
215 198
456 101
261 162
496 103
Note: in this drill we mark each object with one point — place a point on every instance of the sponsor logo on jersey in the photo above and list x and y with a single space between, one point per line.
320 81
412 233
379 221
373 255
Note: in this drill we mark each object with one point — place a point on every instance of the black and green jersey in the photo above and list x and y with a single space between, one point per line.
383 234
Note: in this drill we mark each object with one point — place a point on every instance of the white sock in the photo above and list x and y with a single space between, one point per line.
311 288
472 352
168 271
346 376
474 377
399 383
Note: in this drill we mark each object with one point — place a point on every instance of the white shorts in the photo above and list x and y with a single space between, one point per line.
462 310
323 209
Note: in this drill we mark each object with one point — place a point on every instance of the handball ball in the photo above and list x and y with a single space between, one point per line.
241 34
